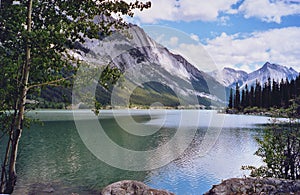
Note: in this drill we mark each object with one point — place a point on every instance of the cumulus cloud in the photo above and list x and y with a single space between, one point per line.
184 10
280 46
203 10
269 11
195 37
246 52
198 56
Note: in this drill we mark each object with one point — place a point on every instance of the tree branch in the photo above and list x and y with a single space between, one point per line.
50 83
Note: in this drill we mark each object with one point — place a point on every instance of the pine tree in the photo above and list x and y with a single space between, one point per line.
275 94
230 103
237 100
243 101
297 86
251 97
257 96
247 98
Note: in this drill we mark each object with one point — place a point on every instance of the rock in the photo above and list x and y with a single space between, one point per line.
49 189
130 187
252 185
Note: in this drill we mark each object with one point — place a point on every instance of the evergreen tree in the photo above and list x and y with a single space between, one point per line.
247 98
230 103
268 93
292 89
243 101
258 96
251 97
297 86
237 100
275 94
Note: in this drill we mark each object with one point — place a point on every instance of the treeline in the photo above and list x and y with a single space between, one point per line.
270 94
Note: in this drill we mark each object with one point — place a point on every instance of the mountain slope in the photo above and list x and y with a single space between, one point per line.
150 70
229 76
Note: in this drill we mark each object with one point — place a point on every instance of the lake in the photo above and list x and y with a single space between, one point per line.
64 155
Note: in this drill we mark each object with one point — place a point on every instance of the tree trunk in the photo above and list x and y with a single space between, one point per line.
17 131
8 146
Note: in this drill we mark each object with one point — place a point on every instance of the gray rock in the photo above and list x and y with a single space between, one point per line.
130 187
252 185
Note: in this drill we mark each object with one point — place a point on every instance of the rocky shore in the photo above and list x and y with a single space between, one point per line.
241 186
251 185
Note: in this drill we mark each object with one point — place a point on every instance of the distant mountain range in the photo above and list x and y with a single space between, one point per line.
229 77
154 74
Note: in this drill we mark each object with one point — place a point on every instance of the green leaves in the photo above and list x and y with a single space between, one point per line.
280 149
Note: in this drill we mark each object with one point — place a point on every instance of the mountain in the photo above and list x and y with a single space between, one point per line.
229 77
151 72
274 71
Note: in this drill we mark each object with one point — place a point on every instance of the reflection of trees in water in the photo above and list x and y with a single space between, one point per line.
54 153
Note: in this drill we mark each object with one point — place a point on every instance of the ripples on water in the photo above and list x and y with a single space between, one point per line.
54 153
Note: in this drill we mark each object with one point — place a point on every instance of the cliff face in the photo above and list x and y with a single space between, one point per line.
256 186
150 67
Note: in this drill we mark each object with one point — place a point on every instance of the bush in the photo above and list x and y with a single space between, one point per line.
280 148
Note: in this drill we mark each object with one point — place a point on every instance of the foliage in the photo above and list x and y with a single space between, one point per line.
35 39
280 148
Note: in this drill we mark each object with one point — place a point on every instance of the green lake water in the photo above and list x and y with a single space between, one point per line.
52 154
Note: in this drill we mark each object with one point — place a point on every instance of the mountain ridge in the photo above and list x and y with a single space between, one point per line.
229 76
151 71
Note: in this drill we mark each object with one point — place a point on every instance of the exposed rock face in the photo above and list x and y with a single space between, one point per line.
129 187
256 186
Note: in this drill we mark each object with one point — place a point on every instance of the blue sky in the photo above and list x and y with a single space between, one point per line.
241 34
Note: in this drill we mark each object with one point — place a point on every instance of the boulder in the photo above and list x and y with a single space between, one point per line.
130 187
252 185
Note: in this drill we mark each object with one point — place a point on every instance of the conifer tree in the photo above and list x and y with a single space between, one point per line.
237 100
230 103
247 98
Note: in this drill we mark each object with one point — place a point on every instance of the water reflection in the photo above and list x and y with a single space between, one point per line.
54 153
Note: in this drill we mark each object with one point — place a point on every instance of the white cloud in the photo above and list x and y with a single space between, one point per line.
223 20
184 10
280 46
173 41
203 10
269 11
246 52
196 55
195 37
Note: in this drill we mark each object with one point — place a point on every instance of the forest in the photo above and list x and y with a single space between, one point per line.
271 94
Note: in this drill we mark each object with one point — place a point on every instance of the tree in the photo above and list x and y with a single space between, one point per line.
237 98
35 38
280 147
251 96
243 101
230 103
275 94
247 98
257 95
